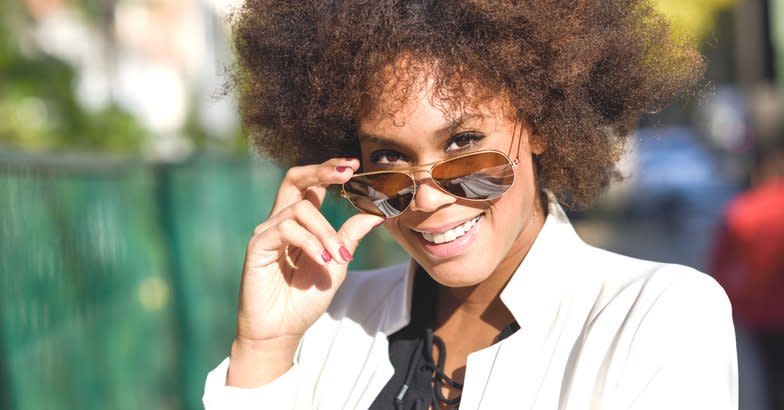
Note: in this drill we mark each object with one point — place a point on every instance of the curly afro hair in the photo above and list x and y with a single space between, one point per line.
579 73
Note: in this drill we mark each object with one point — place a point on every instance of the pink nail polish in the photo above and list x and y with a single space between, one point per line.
341 168
326 256
345 254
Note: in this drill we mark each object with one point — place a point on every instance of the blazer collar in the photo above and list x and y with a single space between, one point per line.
534 291
546 274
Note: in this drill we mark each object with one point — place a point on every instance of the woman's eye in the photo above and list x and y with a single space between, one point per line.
462 142
386 157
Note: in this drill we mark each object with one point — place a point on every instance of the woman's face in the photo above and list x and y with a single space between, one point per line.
422 133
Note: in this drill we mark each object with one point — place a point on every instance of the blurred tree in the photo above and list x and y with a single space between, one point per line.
693 18
38 103
777 23
42 85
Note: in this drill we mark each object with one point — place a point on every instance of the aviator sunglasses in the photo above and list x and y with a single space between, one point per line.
475 176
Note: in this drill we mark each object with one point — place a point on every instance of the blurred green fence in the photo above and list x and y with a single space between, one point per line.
118 280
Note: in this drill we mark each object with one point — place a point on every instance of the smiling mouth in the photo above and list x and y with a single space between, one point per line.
450 234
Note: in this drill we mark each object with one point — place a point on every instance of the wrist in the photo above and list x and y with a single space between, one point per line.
254 363
272 344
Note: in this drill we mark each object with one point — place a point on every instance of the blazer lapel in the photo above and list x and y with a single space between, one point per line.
357 357
377 369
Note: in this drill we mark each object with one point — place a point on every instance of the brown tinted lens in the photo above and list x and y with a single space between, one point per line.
481 176
384 194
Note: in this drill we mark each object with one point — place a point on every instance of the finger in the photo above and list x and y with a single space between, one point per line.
305 213
314 221
357 227
289 233
314 177
314 186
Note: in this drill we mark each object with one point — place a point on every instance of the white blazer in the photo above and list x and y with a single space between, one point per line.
597 331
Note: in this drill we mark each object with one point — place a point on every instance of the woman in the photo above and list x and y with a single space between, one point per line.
460 126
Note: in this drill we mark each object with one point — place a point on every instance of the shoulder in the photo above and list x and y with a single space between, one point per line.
615 271
641 288
666 325
605 291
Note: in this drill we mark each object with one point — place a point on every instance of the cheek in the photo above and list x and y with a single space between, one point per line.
525 185
404 237
515 206
394 230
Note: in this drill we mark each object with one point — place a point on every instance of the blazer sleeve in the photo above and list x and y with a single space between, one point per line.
683 355
280 394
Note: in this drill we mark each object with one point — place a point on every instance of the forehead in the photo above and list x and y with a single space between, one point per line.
408 86
426 108
421 116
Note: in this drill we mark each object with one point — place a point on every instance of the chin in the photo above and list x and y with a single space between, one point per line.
454 278
465 270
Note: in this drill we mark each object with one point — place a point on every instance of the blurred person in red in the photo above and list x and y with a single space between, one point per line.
748 261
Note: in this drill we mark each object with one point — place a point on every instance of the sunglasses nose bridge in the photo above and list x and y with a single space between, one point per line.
420 173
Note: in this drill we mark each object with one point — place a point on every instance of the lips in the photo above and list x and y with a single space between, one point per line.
450 235
447 246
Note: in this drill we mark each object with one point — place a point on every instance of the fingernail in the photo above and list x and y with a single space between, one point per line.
349 158
345 254
341 168
380 223
326 256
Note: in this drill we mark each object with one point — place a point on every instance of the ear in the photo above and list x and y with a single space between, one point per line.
533 140
537 143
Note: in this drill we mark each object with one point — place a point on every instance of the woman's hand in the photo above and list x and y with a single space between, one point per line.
294 264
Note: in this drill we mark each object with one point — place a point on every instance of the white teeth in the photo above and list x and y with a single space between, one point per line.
452 234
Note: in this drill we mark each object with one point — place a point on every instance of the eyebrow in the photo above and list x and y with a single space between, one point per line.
446 129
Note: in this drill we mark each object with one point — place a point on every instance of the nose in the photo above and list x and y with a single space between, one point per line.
429 197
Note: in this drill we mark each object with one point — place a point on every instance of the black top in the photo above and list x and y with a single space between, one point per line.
411 354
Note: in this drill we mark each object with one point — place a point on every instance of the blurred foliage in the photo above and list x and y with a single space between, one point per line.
234 143
38 105
693 18
777 17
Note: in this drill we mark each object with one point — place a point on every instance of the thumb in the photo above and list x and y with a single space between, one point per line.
356 227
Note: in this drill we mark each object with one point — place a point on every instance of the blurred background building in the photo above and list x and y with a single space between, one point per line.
128 192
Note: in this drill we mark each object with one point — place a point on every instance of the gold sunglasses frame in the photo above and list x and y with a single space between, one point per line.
410 171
